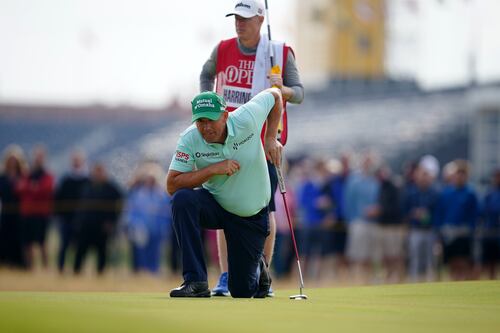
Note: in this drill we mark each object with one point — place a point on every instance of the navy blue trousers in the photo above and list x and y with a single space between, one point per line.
195 209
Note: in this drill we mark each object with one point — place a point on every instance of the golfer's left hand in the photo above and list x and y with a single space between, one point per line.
273 149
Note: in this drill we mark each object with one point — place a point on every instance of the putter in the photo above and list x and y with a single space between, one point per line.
281 184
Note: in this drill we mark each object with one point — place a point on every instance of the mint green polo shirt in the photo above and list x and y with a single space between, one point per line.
248 191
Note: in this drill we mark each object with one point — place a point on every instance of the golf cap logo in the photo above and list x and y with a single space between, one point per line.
248 8
241 4
204 103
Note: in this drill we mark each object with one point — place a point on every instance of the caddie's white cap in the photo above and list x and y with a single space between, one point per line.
247 8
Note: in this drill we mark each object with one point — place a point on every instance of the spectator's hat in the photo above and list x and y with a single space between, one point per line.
207 105
247 8
430 164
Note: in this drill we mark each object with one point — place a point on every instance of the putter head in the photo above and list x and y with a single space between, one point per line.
298 297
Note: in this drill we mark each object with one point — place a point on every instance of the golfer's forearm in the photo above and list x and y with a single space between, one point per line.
177 180
274 116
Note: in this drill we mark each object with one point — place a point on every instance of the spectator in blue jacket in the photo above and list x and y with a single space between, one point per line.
315 206
148 218
335 191
490 240
360 210
458 210
419 207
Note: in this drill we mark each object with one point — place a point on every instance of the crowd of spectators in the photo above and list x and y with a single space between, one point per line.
88 208
353 217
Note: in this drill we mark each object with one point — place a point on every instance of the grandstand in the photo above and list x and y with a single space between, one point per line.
108 134
391 125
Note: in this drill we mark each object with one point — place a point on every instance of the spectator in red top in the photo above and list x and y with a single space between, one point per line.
35 192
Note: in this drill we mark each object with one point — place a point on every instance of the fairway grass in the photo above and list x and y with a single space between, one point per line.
433 307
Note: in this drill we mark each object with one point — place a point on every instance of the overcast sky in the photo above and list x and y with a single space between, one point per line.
146 52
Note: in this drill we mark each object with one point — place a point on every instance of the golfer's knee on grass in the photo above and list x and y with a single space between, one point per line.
240 290
240 293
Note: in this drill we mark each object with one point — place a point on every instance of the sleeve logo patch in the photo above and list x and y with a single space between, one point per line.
181 156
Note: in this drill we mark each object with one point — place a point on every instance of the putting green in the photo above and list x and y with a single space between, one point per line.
435 307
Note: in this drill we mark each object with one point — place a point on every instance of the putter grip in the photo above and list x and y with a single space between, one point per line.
281 181
275 69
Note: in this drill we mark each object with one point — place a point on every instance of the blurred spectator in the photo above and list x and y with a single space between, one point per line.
13 169
490 239
390 233
283 247
67 197
99 210
360 209
420 203
36 192
457 215
147 218
335 190
449 171
315 206
409 172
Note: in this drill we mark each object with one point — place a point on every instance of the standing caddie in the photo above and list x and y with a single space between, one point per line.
219 180
239 68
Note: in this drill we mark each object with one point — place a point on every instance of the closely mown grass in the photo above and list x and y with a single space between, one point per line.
434 307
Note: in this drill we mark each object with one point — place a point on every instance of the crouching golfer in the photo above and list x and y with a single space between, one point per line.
222 152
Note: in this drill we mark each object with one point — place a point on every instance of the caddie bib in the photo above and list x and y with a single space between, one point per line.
234 77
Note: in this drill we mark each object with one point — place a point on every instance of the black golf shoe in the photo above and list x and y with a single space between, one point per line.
264 280
191 289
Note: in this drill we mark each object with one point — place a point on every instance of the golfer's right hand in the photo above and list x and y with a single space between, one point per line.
274 150
227 167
